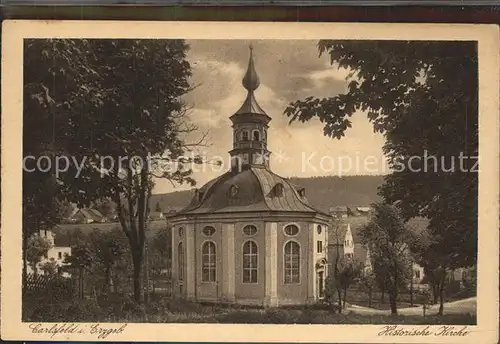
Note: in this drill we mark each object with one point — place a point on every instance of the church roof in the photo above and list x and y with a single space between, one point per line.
250 105
250 190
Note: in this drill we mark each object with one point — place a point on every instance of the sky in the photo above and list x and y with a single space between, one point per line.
288 71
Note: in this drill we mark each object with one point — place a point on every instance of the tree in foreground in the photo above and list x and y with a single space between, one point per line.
348 274
120 115
427 251
107 249
37 248
423 97
389 240
367 282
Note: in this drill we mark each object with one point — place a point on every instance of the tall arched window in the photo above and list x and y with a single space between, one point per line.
180 262
256 135
208 262
250 262
244 135
292 262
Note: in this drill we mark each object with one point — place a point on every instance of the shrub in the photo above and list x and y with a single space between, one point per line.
241 317
281 316
75 311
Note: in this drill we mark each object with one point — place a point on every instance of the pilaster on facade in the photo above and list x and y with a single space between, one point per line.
271 264
228 262
190 264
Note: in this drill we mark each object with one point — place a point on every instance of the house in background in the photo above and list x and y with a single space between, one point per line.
339 212
363 210
344 240
463 275
156 216
417 282
88 215
56 254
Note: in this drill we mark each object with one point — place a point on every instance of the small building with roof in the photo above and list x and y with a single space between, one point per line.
56 254
249 236
87 215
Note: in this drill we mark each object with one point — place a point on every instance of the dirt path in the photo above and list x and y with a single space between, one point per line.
456 307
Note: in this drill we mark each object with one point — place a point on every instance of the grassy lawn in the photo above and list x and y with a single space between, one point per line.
360 298
166 310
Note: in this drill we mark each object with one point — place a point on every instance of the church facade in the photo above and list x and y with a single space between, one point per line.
250 236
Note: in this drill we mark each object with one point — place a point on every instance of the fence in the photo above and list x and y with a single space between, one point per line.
43 285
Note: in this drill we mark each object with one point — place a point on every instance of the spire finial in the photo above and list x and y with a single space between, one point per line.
251 79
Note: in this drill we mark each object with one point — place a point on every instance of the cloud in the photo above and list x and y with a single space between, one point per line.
288 71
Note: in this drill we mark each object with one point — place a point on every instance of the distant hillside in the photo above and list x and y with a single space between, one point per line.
322 192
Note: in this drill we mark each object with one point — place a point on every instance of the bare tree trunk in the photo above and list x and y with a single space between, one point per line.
80 283
392 299
25 259
137 280
370 297
339 295
435 290
441 292
411 289
345 295
108 280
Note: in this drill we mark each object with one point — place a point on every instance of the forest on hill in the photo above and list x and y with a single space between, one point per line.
322 192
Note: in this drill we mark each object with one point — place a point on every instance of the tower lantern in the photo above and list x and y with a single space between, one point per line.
250 124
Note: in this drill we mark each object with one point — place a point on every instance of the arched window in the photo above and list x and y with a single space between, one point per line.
208 262
250 230
256 135
292 262
180 262
291 230
209 231
318 229
233 191
244 135
250 262
181 231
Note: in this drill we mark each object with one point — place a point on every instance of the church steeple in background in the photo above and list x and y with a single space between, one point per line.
250 124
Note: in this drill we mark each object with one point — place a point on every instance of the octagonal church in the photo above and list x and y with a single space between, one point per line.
250 236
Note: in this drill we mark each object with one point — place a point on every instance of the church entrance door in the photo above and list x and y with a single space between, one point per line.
321 284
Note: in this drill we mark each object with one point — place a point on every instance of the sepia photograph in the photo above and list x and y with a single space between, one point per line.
246 179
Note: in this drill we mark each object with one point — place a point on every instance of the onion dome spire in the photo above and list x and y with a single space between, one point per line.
251 80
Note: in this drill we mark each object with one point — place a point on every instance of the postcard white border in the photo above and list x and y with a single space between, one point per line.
14 31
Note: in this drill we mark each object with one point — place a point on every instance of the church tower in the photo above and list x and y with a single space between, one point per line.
250 124
249 236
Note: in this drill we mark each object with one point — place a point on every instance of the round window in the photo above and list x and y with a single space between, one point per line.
181 231
209 231
250 230
319 229
291 230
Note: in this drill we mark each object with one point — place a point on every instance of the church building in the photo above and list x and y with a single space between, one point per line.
250 236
